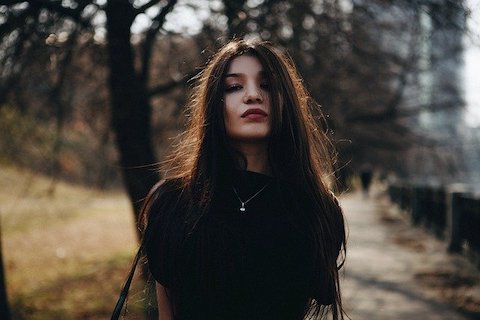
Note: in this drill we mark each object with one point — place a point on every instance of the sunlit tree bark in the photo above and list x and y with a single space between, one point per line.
4 307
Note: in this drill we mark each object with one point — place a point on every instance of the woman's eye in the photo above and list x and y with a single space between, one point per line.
233 87
265 86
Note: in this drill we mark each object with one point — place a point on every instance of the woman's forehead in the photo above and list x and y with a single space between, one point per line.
245 64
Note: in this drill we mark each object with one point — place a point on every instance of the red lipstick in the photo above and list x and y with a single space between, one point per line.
254 113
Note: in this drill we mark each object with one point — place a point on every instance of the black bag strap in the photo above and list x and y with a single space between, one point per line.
126 286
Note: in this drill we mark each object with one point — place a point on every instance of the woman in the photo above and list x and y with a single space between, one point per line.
245 227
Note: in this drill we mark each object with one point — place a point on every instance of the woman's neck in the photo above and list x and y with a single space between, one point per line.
256 156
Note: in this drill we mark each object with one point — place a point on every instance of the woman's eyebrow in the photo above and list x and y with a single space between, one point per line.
261 73
234 75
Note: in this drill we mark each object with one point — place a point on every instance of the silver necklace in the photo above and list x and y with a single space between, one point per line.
242 208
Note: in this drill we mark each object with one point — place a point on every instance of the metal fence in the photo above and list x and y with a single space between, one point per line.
450 213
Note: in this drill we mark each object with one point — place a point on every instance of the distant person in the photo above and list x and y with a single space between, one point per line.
366 175
245 225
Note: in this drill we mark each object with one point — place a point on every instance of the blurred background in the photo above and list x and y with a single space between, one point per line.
92 95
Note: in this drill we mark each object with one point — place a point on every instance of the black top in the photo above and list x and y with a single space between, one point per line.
255 264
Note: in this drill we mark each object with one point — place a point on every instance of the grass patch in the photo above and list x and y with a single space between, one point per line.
66 253
88 295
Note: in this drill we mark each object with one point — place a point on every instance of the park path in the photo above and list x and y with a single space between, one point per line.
396 271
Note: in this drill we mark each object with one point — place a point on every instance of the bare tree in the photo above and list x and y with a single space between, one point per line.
361 62
4 307
360 59
26 25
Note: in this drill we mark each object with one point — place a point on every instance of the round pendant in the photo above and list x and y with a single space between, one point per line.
242 209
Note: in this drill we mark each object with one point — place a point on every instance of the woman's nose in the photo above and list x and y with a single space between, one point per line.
253 94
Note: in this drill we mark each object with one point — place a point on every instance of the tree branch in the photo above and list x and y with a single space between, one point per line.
56 6
157 23
146 6
16 21
166 87
11 2
403 113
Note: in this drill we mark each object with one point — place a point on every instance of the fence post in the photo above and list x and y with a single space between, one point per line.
454 216
418 204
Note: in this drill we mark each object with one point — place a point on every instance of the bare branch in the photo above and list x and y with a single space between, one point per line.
146 6
169 86
16 21
56 6
166 87
157 23
11 2
412 111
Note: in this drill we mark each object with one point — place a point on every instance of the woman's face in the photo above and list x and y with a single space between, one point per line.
246 101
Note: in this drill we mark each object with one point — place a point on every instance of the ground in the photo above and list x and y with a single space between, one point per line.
67 250
397 271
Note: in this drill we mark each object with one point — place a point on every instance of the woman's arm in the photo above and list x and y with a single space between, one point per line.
164 309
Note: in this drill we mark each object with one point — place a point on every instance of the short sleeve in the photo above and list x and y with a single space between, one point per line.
158 232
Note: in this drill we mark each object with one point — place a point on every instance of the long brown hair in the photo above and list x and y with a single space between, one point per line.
299 151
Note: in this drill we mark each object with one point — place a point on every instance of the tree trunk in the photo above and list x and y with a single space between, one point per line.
130 108
4 309
130 113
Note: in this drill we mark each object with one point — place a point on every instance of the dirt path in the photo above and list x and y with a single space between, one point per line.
395 271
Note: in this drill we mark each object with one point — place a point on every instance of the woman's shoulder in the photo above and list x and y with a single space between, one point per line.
163 197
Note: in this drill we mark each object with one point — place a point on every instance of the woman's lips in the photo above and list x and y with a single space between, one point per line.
254 114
